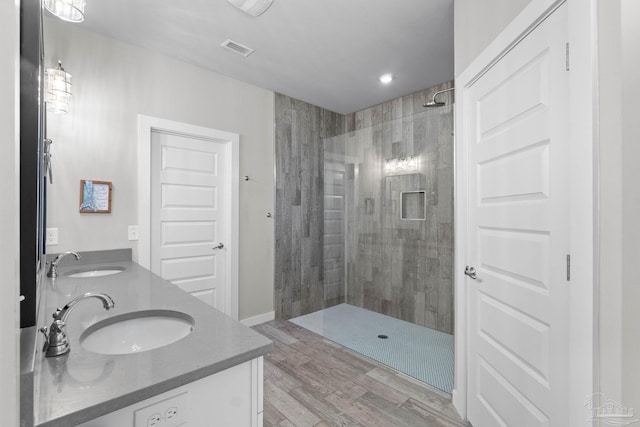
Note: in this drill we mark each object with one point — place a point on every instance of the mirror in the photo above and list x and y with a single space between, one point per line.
96 140
32 174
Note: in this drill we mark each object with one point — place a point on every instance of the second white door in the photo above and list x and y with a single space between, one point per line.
518 240
188 220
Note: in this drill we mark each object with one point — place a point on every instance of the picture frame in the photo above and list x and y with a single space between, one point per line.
95 196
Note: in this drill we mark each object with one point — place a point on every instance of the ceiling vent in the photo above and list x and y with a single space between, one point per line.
237 47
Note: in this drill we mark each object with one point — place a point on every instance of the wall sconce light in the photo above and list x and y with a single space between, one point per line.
58 92
401 165
252 7
67 10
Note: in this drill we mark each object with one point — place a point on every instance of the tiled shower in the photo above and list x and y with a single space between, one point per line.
364 209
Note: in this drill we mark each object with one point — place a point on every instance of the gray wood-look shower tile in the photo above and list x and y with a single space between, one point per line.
382 275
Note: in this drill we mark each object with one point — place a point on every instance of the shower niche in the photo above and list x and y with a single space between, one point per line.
413 205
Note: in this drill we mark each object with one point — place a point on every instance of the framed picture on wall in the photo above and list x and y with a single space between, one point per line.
95 196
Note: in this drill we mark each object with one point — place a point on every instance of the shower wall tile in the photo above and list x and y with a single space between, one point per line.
339 235
350 122
304 282
402 268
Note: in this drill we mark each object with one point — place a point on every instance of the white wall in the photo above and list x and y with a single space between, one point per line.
9 220
477 23
113 82
630 17
610 194
619 151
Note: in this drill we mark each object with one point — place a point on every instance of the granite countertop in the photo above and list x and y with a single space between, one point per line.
81 385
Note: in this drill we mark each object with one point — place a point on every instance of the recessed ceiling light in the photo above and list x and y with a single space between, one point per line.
386 78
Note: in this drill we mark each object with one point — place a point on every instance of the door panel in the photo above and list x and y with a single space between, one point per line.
180 233
517 147
208 296
514 408
188 181
531 265
188 267
188 196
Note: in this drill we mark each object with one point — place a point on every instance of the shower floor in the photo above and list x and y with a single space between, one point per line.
421 353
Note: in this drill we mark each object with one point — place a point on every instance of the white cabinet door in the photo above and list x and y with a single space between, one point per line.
231 398
518 240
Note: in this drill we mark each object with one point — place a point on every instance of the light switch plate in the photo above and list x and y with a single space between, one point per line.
133 232
52 236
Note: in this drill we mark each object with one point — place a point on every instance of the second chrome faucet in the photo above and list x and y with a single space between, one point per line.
53 268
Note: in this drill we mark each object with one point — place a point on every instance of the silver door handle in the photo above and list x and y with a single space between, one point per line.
471 272
218 246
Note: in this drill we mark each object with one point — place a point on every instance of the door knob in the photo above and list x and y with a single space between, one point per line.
218 246
471 272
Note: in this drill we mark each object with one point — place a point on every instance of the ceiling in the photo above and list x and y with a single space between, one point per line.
329 53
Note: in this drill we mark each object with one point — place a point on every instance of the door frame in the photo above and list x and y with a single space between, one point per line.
583 109
231 236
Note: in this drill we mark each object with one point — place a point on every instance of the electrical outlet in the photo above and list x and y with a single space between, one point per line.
155 420
52 236
171 412
133 232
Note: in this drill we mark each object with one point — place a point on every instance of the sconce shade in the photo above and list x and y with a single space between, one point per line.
67 10
58 92
252 7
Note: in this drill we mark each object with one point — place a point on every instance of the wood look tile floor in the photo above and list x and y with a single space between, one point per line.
312 382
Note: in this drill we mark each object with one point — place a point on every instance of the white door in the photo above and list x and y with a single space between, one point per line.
518 241
188 221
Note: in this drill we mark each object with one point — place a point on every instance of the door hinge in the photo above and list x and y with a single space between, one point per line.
568 268
567 56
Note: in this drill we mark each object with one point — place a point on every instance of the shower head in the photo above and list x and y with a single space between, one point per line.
433 102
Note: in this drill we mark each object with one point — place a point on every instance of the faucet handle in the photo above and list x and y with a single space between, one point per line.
45 332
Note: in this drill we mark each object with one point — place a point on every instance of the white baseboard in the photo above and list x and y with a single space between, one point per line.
458 405
260 318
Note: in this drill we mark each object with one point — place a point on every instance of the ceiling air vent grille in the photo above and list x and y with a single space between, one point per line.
237 47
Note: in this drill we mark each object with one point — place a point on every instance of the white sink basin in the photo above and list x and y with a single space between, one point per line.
95 272
136 332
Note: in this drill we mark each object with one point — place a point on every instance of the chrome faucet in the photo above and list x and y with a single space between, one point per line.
53 269
56 342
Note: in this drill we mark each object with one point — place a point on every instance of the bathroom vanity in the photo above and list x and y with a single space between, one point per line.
211 376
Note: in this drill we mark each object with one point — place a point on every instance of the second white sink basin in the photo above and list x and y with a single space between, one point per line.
95 272
136 332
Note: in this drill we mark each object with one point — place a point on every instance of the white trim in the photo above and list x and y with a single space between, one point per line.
259 319
459 392
9 212
582 36
583 140
146 125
